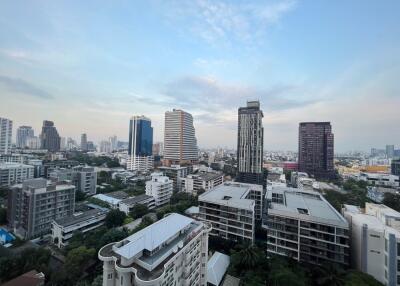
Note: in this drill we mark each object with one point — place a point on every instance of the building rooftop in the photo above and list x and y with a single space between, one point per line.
208 176
216 267
107 199
80 217
31 278
121 195
309 205
230 194
154 235
135 200
8 165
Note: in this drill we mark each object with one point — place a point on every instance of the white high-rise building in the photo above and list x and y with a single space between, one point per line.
171 251
105 146
114 142
33 143
160 188
5 135
180 144
23 133
375 241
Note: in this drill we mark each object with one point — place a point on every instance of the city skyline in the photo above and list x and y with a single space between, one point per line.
58 63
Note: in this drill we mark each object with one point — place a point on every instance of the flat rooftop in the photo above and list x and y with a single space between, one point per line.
154 235
80 217
229 194
8 165
207 176
309 205
135 200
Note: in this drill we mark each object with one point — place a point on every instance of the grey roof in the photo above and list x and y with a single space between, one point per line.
80 217
208 176
118 195
216 267
136 200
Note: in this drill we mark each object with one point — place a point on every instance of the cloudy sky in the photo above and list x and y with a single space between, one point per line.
90 65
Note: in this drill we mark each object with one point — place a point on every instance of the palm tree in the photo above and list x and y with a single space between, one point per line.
330 274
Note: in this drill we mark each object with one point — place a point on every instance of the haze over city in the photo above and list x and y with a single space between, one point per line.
89 66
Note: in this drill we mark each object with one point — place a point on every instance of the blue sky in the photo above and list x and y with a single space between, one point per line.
90 65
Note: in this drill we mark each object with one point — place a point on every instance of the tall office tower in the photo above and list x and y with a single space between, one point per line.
390 151
49 137
5 135
23 133
140 144
113 142
171 251
84 143
180 144
316 149
250 144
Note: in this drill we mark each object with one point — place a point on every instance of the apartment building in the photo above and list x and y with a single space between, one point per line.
84 178
160 188
202 181
303 225
128 204
375 241
176 173
379 179
34 204
232 209
171 251
62 230
6 127
15 173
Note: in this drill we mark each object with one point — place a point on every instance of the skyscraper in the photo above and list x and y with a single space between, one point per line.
390 151
316 149
49 137
140 144
5 135
23 133
113 142
250 144
84 145
180 144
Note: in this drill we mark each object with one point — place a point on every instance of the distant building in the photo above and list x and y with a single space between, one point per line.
62 230
250 144
158 149
176 173
375 243
316 143
23 133
395 167
33 143
34 204
202 181
379 179
128 204
389 151
105 147
180 143
304 226
14 173
84 142
48 167
171 251
5 135
160 188
84 178
50 140
140 153
232 209
114 143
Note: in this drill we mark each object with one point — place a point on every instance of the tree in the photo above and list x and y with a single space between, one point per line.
79 196
329 274
115 218
392 201
77 260
355 278
138 211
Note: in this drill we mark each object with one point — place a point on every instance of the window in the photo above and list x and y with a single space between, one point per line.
109 276
398 249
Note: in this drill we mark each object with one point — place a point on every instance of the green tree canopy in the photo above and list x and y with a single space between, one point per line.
115 218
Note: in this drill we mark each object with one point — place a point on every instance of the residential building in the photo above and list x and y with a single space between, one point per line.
140 145
128 204
84 142
63 229
304 226
84 178
50 140
38 170
201 182
176 173
14 173
105 146
160 188
389 151
375 241
14 158
171 251
23 133
316 149
5 135
112 199
380 179
33 143
180 143
250 146
232 209
395 167
34 204
158 149
63 144
113 142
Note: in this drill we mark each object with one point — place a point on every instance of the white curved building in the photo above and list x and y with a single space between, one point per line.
171 251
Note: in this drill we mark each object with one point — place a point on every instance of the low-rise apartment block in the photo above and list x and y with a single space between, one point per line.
203 181
171 251
34 204
128 204
14 173
84 178
303 225
62 230
232 209
160 188
176 173
375 241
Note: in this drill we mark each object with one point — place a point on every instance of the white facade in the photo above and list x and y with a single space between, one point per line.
33 143
105 146
376 179
23 133
375 241
140 163
160 188
128 204
14 173
171 251
203 181
5 135
180 144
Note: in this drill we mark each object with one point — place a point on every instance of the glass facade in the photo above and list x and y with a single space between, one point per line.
140 137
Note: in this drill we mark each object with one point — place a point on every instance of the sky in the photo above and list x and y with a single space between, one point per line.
91 65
